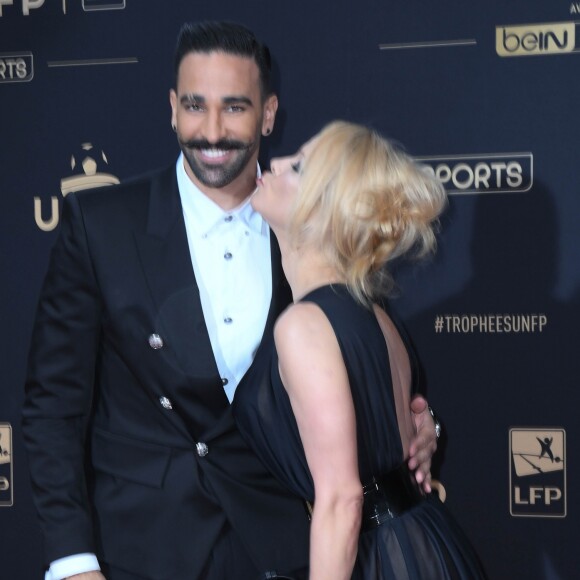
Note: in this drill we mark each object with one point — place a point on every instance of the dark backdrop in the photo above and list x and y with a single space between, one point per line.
486 92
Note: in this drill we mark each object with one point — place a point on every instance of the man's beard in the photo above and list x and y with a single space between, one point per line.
218 175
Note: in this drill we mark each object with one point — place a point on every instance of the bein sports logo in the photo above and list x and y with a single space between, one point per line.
535 39
16 67
483 173
538 473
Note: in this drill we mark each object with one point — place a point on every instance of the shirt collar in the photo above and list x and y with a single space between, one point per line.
204 215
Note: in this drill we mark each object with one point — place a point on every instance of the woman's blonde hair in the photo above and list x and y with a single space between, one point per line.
363 202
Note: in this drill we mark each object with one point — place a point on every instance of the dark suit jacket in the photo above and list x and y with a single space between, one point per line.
111 424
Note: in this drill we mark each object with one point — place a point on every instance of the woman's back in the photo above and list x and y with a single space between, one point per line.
421 541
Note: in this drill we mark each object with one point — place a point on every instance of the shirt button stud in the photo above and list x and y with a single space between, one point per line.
155 341
225 381
228 320
165 403
228 256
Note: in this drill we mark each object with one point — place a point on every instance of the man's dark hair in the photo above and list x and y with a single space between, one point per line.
228 37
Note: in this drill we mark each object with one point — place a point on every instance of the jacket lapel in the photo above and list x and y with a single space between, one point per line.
198 396
281 293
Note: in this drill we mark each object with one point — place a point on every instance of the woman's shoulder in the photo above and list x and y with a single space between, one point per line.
309 355
301 321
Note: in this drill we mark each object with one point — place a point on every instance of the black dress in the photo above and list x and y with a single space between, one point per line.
422 542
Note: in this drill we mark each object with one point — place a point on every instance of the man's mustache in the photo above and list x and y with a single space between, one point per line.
222 144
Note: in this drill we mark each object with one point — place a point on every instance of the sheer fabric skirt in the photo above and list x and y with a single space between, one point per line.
424 543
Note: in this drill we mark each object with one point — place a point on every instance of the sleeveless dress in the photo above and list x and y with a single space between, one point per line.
424 542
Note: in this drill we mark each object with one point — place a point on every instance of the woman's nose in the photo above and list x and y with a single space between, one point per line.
274 166
279 164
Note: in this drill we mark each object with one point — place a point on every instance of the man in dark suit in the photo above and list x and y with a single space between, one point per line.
157 295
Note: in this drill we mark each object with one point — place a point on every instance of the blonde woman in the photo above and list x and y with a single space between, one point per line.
326 403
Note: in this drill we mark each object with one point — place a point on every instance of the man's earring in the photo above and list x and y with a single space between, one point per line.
268 131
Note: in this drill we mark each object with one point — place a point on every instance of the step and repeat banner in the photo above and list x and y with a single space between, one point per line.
487 94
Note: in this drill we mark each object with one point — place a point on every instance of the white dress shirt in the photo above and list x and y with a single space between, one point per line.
71 565
230 254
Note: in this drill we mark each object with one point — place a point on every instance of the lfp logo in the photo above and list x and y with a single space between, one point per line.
6 491
538 473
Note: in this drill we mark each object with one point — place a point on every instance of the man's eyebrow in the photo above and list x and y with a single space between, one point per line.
231 100
237 99
191 98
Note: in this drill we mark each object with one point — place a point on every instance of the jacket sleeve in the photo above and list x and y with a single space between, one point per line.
61 374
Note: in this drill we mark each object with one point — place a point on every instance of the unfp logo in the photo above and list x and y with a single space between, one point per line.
86 165
27 6
538 473
535 39
6 491
16 67
484 173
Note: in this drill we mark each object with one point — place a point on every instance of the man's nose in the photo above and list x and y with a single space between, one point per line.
213 127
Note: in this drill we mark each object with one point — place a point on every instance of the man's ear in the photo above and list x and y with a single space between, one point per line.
173 103
270 108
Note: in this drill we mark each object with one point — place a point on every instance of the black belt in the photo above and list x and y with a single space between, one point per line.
388 496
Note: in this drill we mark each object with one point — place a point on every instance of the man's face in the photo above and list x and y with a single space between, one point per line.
219 117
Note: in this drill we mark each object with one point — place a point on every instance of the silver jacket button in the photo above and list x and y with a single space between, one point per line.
165 403
155 341
202 449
